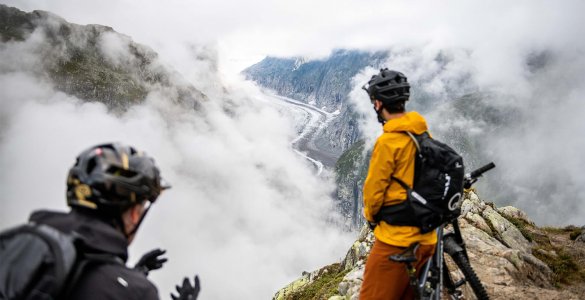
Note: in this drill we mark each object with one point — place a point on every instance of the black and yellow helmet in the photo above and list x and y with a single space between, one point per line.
388 86
111 177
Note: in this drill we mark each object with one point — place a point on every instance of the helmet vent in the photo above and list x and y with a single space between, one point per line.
120 172
91 164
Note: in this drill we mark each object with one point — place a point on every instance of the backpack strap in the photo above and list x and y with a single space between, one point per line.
402 183
402 213
61 245
414 139
417 145
84 262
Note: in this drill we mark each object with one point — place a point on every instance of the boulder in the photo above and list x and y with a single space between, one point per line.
512 212
505 231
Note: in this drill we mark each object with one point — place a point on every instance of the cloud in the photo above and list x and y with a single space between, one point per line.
260 27
245 211
244 208
525 120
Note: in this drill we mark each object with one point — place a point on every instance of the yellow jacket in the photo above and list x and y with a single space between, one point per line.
393 154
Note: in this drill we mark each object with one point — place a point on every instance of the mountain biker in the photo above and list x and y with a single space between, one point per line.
110 189
393 155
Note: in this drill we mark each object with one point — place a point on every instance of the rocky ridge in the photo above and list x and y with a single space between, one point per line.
514 258
92 62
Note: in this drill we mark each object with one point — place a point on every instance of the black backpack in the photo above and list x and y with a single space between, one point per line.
436 196
41 262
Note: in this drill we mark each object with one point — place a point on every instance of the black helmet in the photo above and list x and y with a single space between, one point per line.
111 177
388 86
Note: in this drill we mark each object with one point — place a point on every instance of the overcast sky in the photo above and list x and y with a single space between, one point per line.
245 31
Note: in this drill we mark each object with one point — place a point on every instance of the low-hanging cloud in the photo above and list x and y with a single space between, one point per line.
526 117
245 212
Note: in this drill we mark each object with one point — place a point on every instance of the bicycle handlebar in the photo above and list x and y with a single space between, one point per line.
478 172
471 178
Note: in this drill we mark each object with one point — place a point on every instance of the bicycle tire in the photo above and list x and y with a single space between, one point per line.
478 289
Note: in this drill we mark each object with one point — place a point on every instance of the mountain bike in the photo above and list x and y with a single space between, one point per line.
435 273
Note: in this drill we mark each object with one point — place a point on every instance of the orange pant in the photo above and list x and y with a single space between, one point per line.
388 280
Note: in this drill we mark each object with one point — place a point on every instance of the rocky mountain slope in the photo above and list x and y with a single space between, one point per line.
514 259
350 173
324 83
91 62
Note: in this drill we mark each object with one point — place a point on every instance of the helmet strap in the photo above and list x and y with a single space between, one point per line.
379 115
119 221
138 224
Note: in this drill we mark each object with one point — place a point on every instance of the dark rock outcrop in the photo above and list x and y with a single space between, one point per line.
92 62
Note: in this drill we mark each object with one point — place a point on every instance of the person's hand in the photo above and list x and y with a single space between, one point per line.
151 261
187 291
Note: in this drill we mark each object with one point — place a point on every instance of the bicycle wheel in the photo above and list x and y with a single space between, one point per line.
478 289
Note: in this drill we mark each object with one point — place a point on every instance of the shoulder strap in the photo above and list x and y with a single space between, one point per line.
402 183
417 145
61 245
85 261
414 140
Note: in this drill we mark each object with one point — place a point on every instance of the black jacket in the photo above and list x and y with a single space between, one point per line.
104 281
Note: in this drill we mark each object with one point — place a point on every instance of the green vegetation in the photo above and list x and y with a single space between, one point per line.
563 261
554 230
575 232
523 226
563 265
324 286
86 75
350 160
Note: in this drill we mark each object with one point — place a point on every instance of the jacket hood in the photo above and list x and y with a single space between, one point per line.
411 121
97 234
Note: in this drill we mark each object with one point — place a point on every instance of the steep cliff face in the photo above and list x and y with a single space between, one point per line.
91 62
323 83
514 259
350 172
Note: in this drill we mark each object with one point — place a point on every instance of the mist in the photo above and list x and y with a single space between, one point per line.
524 114
245 212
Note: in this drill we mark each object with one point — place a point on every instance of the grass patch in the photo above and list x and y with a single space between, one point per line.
324 286
87 75
523 226
564 267
349 160
575 232
554 230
